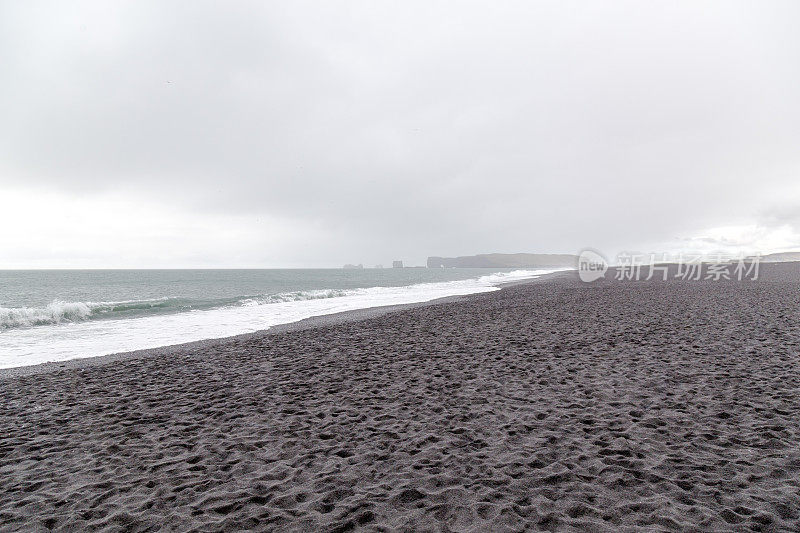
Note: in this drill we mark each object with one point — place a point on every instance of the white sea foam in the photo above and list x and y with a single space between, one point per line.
55 312
64 332
59 311
297 296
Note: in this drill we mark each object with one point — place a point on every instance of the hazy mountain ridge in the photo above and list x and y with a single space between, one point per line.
781 257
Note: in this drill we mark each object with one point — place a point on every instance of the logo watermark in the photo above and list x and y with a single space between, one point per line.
688 267
591 266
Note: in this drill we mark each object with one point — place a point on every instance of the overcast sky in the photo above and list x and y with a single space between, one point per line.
286 134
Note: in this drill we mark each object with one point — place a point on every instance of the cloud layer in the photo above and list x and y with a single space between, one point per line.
322 133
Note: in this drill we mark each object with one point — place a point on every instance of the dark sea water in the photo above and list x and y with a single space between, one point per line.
49 315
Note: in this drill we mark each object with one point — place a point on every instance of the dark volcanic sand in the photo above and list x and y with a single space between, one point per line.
552 405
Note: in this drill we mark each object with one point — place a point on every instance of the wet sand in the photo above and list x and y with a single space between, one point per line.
552 405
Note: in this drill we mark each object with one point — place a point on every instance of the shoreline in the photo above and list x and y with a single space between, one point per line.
317 321
553 405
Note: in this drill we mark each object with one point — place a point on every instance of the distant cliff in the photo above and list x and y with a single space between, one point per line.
782 257
505 261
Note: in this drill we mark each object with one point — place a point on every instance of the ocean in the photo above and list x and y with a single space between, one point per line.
56 315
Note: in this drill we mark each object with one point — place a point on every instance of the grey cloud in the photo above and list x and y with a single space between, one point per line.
426 128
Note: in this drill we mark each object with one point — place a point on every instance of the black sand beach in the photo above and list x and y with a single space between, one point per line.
552 405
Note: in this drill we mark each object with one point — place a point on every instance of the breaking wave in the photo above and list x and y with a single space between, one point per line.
58 311
55 312
64 330
297 296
